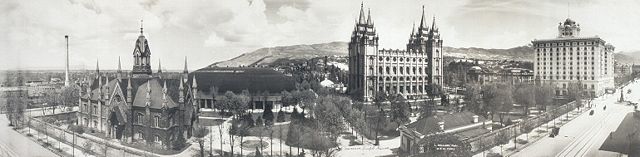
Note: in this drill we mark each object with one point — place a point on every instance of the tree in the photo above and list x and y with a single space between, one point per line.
525 96
400 113
472 99
53 100
271 140
16 105
281 116
88 147
501 138
258 154
526 127
70 96
498 99
260 122
268 117
379 100
544 95
331 118
199 132
288 99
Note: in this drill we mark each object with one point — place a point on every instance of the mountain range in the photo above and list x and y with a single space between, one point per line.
266 56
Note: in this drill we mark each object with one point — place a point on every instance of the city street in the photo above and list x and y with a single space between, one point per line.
14 144
584 135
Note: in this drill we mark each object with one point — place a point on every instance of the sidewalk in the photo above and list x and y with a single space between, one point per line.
535 135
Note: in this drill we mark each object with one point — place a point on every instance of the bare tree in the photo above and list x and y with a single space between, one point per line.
199 132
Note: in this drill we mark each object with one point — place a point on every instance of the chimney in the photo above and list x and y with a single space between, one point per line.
66 67
441 124
475 118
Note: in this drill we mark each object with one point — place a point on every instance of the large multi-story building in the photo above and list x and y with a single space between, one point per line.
411 72
139 106
571 59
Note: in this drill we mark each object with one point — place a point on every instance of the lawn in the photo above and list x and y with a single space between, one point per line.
255 131
211 122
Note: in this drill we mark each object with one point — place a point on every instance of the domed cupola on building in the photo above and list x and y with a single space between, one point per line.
141 56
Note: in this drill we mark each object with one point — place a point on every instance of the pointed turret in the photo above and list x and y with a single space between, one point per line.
164 95
181 89
129 92
97 67
159 67
361 19
194 84
148 96
194 87
106 88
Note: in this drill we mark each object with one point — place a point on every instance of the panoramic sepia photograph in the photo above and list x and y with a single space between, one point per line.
319 78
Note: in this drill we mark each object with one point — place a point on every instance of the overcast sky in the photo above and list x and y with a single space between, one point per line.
32 31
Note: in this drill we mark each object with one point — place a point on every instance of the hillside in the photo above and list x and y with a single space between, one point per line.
266 56
628 57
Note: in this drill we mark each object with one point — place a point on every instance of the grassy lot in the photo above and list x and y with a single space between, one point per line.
211 122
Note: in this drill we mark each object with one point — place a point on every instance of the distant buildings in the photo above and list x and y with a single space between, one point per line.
411 72
507 75
572 59
139 106
623 69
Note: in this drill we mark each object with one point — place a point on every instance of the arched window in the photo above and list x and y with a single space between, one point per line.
380 70
156 121
387 70
414 70
395 71
140 118
408 70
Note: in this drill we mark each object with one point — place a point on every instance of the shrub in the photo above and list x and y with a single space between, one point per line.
259 122
179 143
268 117
281 116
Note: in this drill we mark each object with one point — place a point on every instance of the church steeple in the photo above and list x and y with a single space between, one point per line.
141 56
97 67
362 19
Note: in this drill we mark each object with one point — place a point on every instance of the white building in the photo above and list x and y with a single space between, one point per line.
411 72
571 59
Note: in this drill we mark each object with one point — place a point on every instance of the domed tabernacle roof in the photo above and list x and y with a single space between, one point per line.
569 22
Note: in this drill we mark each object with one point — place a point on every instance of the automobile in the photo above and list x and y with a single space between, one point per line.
604 108
591 112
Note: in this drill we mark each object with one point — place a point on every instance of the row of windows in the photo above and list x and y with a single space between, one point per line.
155 122
567 44
402 78
557 49
570 77
404 59
592 73
565 58
409 70
140 135
570 63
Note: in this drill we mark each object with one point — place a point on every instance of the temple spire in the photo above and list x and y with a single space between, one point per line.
159 66
423 22
369 20
362 19
97 67
119 66
141 27
185 65
433 24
